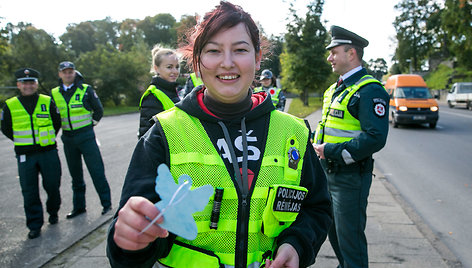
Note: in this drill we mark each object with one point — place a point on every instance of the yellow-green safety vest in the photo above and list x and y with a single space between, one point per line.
197 157
167 103
196 80
32 129
73 114
273 92
337 124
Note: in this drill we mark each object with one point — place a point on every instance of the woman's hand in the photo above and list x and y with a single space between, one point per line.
286 256
131 221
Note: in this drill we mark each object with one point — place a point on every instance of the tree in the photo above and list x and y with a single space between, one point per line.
36 49
457 22
377 68
272 59
159 30
115 75
303 61
415 41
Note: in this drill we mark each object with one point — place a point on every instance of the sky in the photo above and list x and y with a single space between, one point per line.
371 19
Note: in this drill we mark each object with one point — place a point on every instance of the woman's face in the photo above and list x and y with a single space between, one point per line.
228 63
266 82
169 68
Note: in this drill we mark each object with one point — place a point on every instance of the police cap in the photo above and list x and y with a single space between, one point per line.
341 36
266 74
26 74
66 65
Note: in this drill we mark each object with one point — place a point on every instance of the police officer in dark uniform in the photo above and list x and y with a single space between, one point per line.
80 110
31 121
353 127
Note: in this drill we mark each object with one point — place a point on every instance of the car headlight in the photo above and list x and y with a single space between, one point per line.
434 108
403 108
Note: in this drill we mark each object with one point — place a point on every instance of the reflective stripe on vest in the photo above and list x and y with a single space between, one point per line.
197 157
196 81
340 126
73 114
32 129
167 103
273 92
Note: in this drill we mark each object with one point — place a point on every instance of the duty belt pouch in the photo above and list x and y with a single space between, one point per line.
283 205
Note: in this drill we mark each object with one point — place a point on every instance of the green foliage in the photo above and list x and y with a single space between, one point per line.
159 30
298 109
303 61
271 60
457 22
415 40
439 78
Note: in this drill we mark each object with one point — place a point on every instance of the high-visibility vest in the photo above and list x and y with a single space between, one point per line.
196 80
196 156
337 124
73 114
167 103
273 92
32 129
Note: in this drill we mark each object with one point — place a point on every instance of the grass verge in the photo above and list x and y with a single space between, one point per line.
296 107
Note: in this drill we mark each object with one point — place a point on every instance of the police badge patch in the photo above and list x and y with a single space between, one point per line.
379 107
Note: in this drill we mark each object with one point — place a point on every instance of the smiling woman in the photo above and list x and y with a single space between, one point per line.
223 135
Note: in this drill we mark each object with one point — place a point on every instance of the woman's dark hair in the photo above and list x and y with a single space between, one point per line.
224 16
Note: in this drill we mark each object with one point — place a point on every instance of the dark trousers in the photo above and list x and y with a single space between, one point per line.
29 166
76 145
349 193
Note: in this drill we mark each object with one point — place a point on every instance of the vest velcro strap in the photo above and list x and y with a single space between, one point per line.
342 133
227 226
194 157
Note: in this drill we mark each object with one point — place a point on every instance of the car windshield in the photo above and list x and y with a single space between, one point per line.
464 88
413 93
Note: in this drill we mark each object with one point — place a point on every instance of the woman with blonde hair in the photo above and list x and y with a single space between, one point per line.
162 92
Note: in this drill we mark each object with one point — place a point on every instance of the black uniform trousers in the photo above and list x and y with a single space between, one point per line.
80 143
29 166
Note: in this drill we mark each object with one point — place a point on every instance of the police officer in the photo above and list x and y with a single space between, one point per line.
353 127
268 82
31 121
80 110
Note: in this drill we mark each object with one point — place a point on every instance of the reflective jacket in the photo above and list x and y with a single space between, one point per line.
167 103
73 114
32 129
273 92
197 157
337 124
196 80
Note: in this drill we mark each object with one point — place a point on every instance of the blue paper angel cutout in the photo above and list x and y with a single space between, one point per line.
179 202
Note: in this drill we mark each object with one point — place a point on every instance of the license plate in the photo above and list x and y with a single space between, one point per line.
419 117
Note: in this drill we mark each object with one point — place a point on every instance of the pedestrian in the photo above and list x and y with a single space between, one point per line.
31 121
269 85
238 142
354 126
80 110
193 81
162 92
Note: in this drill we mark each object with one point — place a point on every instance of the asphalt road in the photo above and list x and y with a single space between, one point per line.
432 169
117 138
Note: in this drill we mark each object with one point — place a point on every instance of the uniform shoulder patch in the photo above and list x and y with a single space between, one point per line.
379 107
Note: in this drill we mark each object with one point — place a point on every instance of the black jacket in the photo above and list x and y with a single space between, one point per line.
306 234
29 102
151 106
91 102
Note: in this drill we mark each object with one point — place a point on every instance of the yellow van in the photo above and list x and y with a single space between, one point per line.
411 101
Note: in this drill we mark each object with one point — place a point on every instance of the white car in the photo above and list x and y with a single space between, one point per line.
460 93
